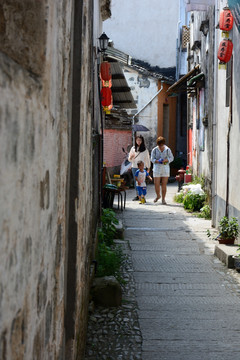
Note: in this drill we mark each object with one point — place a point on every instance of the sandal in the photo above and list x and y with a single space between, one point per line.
157 198
164 202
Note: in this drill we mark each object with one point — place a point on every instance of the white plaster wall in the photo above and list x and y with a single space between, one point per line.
145 29
143 89
222 116
234 195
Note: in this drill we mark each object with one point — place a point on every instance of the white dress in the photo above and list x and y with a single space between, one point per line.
161 170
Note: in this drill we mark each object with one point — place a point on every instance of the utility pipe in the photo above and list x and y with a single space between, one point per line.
228 146
214 130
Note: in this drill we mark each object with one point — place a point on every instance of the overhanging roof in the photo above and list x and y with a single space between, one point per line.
184 84
121 92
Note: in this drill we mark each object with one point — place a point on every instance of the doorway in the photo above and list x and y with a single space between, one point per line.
166 122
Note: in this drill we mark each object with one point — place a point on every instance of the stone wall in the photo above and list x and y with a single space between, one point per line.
23 32
39 98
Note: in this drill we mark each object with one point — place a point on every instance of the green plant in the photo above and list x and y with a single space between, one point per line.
208 233
212 236
109 261
109 256
108 230
205 212
198 180
179 197
238 250
229 228
193 202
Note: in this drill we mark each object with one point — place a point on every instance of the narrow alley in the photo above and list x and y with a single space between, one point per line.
186 299
91 91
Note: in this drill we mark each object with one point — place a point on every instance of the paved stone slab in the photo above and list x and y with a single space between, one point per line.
188 301
176 248
189 350
175 278
184 313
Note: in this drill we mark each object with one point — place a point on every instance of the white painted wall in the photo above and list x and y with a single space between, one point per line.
143 89
235 131
145 29
222 129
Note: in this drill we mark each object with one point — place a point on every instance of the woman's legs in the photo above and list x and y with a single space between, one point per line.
164 188
157 188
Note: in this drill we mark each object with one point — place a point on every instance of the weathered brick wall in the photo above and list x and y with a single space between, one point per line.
114 140
35 117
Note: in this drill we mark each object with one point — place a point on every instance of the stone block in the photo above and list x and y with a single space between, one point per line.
120 230
107 292
225 253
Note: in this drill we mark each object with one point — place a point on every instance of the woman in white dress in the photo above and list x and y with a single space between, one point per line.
161 157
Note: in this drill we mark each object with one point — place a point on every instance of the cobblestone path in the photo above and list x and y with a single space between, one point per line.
114 333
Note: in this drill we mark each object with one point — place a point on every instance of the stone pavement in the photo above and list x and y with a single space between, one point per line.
188 301
182 302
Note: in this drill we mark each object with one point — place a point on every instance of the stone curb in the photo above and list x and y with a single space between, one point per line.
225 253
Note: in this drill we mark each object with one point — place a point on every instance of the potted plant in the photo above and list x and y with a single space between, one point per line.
229 230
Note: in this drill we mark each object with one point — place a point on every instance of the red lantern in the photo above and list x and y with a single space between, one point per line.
108 108
226 19
225 50
106 97
105 71
107 83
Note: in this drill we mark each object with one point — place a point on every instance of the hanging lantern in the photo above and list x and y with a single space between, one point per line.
106 96
226 19
225 50
105 74
105 71
108 108
107 83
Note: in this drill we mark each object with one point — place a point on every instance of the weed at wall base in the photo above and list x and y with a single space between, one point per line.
110 256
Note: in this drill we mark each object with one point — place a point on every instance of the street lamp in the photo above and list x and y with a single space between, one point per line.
103 42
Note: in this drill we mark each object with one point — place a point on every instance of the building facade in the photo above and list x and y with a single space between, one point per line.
213 103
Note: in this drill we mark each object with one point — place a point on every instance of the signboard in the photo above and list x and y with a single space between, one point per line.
234 6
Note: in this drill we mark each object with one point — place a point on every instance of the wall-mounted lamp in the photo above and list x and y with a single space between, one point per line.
103 42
